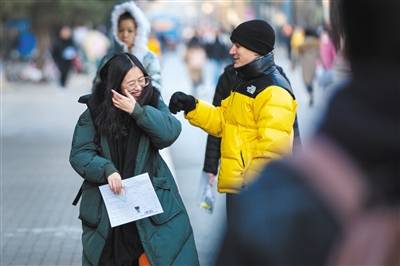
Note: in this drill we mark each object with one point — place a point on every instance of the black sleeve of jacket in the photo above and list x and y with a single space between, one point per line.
226 82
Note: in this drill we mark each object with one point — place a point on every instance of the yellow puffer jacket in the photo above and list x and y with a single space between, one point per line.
254 131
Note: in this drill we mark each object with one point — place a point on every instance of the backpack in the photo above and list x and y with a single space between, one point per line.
370 236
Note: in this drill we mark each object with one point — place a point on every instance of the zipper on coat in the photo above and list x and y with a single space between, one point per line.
241 157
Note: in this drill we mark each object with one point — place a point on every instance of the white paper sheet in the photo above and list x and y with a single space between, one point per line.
138 200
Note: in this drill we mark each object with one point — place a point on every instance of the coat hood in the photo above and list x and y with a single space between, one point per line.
142 31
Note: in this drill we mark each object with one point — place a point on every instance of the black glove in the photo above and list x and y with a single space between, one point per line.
181 101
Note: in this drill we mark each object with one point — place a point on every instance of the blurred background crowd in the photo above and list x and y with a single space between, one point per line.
35 32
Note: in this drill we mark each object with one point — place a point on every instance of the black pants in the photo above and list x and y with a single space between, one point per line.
231 204
64 68
310 90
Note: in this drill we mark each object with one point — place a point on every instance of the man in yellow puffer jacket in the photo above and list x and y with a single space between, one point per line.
256 122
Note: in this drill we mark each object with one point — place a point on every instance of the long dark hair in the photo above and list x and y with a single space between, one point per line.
372 33
108 119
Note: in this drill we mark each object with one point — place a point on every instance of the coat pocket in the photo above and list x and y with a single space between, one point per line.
167 199
90 208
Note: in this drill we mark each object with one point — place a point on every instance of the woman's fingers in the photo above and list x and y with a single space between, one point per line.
111 184
117 104
120 98
116 101
129 95
123 103
118 186
115 182
117 95
115 185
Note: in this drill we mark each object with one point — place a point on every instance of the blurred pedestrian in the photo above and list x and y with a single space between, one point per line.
296 39
338 201
195 59
327 55
130 30
64 51
309 56
286 33
119 136
256 121
218 54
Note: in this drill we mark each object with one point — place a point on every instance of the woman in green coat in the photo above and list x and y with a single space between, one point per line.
119 136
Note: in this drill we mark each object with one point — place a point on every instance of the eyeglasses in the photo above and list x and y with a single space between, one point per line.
142 82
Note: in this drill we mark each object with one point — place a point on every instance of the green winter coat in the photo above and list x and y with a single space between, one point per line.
167 238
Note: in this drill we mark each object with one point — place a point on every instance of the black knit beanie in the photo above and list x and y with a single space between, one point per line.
256 35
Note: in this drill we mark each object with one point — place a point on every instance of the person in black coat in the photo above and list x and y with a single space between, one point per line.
63 52
290 222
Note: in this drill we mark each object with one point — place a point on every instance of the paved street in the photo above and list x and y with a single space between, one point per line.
39 226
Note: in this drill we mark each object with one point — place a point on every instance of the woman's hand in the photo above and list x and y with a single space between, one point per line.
115 182
125 103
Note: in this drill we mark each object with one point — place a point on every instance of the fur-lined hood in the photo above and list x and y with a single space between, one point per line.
142 32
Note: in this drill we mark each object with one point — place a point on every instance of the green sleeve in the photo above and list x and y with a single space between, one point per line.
84 157
158 123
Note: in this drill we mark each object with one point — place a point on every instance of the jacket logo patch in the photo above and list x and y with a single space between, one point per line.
251 89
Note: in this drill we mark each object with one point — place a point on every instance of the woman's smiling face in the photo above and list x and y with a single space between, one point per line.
134 82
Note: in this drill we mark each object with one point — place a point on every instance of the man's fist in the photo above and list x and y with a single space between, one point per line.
181 101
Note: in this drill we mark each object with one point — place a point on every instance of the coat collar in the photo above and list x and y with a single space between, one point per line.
262 65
